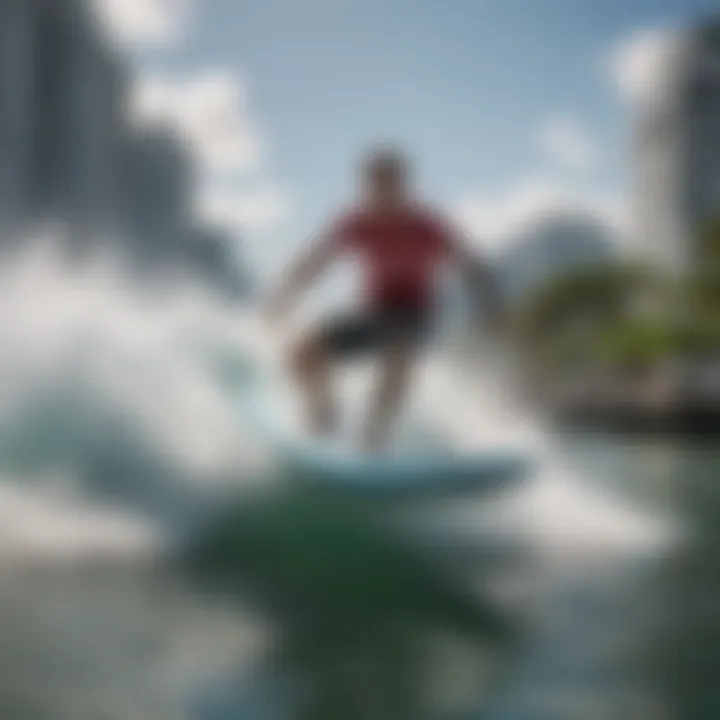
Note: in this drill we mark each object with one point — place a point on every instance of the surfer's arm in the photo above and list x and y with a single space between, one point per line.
303 272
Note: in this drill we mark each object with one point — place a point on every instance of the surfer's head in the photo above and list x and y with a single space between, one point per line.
386 176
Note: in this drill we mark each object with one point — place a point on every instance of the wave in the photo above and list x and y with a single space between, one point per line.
121 394
110 389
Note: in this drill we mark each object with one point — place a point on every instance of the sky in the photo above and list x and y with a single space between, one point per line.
509 108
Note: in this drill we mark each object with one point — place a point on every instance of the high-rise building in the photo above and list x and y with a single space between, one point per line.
95 95
17 107
700 195
68 154
78 91
53 117
60 94
678 151
156 186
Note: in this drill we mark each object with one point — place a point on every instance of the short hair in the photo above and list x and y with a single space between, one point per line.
386 161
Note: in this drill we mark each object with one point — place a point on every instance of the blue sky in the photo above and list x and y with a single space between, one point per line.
497 100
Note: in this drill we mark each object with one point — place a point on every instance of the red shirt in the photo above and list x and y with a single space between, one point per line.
401 254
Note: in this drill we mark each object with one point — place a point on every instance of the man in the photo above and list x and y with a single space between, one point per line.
402 246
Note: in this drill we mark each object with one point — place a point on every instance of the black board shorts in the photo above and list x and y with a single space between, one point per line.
370 331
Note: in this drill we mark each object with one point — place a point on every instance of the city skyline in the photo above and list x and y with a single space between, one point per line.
677 190
510 109
170 139
72 155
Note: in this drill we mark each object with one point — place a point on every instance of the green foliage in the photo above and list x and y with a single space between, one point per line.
700 295
637 345
704 283
594 295
566 326
625 317
709 243
708 32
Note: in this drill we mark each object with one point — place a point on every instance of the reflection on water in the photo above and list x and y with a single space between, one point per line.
609 635
117 642
682 648
671 626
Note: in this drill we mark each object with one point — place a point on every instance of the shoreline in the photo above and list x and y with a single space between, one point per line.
687 419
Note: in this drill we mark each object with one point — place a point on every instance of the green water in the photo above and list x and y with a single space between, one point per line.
671 645
623 636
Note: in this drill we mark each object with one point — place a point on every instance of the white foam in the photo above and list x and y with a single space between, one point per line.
559 511
148 360
49 523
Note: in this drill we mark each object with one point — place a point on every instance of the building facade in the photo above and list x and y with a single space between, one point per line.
69 155
677 152
156 187
17 86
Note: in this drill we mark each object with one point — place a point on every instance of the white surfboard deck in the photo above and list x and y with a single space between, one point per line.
418 463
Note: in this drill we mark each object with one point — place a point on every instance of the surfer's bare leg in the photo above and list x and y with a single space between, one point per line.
311 365
395 372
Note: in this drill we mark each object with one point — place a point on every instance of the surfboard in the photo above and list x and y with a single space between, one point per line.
423 467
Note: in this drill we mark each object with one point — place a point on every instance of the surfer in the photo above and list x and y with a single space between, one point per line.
402 245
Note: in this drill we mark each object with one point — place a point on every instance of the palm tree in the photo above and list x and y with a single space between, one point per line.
699 301
561 327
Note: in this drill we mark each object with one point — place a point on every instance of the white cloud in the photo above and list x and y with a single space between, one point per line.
132 22
242 211
642 65
209 112
567 143
493 220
